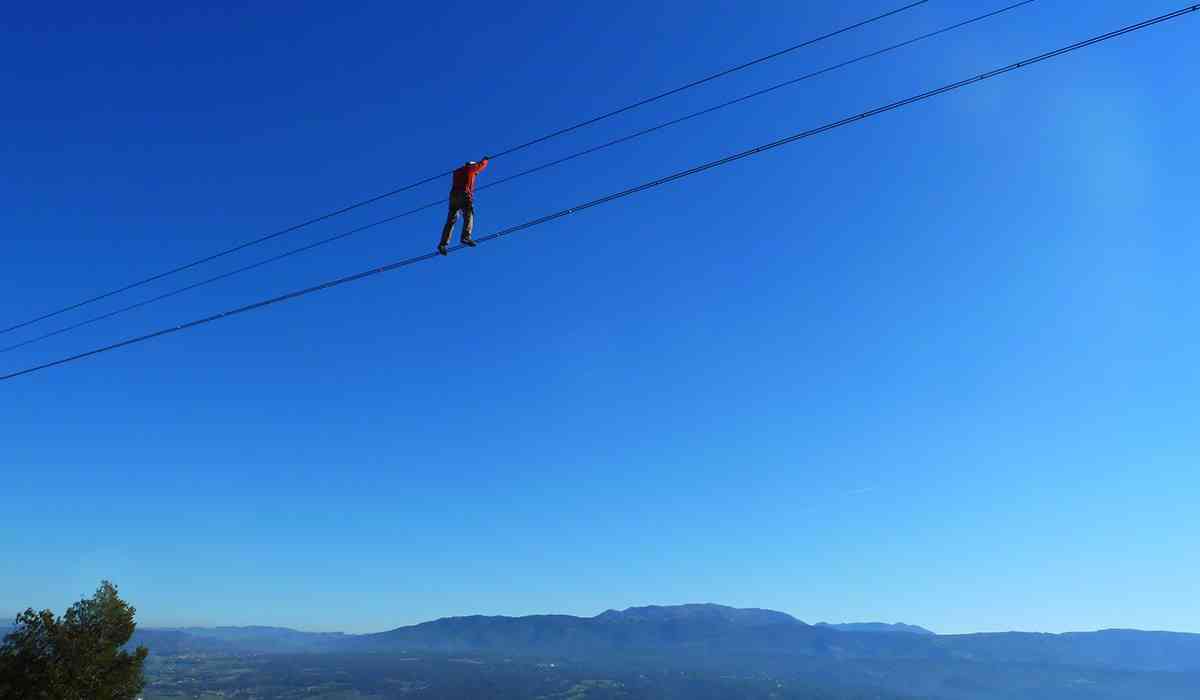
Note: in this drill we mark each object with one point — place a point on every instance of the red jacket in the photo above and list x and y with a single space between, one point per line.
464 178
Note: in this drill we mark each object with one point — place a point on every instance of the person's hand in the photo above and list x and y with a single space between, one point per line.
486 158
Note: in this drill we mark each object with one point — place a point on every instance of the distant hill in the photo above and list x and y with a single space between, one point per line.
266 640
878 627
1116 649
692 630
707 629
654 628
171 642
706 612
708 632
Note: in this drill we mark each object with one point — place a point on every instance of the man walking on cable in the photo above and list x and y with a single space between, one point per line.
462 198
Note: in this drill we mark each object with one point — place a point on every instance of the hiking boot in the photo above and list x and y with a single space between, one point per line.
468 241
441 248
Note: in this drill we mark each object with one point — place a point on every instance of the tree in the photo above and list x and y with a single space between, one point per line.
78 656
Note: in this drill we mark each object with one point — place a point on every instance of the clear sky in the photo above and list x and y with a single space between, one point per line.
937 367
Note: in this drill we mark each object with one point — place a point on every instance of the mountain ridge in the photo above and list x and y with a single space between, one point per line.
741 616
878 627
707 631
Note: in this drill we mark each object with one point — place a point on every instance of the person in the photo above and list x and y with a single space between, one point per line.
462 199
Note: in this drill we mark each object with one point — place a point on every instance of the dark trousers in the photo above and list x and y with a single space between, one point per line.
459 201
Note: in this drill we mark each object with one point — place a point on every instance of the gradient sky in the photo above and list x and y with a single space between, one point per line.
937 367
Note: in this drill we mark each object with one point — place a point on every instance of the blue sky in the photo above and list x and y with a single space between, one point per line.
936 367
